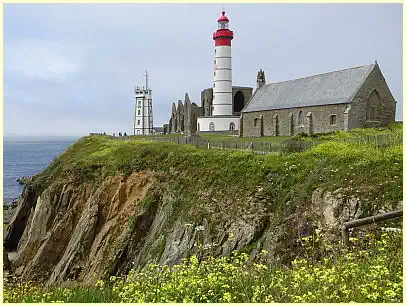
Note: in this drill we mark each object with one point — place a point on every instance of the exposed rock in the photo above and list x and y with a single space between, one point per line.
88 231
23 180
335 207
6 261
19 220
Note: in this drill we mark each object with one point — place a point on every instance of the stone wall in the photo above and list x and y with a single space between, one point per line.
316 119
386 108
246 92
207 99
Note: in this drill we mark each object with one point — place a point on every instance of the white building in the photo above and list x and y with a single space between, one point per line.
222 118
143 123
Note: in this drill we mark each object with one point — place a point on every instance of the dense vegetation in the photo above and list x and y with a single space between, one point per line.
370 271
317 272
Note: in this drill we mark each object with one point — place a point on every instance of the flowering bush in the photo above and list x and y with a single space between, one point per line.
370 270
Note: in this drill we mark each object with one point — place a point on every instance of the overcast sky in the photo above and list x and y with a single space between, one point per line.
70 69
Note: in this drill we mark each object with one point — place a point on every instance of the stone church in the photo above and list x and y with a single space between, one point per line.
340 100
184 115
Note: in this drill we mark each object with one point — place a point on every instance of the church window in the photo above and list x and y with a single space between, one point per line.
232 126
211 126
301 118
256 122
333 119
373 107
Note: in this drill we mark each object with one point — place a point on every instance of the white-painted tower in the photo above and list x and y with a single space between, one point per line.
143 123
222 87
222 119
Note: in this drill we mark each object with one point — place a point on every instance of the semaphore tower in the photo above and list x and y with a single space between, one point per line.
143 123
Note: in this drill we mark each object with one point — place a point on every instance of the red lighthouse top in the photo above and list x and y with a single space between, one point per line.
223 35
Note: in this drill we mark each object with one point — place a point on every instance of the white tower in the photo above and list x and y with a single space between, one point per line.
222 87
143 123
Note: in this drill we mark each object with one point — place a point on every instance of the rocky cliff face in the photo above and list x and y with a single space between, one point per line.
105 206
85 232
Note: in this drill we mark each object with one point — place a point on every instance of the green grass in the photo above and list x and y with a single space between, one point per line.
369 271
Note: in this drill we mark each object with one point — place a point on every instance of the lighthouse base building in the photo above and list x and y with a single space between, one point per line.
220 124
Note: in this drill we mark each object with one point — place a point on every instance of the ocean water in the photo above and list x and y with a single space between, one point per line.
28 156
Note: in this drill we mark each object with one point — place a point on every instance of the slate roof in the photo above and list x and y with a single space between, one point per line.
323 89
159 129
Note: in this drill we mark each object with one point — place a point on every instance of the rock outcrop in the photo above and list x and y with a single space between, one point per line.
92 230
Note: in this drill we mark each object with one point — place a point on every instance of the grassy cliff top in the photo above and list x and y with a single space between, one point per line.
370 173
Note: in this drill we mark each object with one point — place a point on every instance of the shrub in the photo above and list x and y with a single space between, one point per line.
369 271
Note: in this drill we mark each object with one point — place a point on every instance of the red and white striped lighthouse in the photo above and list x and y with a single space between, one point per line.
222 87
221 118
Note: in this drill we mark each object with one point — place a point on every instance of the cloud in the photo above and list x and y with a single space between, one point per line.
39 60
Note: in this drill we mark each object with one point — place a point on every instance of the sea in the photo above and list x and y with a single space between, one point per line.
28 156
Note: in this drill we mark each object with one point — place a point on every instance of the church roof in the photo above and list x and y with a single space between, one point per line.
323 89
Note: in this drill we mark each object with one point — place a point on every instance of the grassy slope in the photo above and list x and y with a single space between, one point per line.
374 175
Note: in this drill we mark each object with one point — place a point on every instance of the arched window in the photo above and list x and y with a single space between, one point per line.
300 118
232 126
238 103
373 104
211 126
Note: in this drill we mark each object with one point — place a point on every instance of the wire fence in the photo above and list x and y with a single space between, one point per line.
266 147
380 140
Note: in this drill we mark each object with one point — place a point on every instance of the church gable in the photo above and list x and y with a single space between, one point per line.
373 105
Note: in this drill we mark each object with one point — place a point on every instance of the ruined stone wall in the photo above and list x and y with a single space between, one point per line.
206 101
247 93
